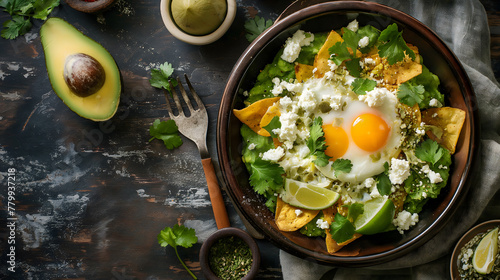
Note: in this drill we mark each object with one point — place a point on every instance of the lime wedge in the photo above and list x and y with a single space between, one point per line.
484 255
307 196
376 217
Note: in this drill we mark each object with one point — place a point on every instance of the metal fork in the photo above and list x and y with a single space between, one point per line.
195 128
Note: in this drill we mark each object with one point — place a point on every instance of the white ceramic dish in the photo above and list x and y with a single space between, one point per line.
197 40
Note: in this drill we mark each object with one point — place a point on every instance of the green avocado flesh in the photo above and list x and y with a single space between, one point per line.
94 87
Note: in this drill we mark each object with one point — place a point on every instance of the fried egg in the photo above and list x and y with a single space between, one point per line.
356 128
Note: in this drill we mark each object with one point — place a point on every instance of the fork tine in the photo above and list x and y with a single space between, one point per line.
184 95
176 100
169 108
201 106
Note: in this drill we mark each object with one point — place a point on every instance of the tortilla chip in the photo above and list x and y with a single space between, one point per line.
271 112
321 59
253 114
331 245
303 72
286 218
450 120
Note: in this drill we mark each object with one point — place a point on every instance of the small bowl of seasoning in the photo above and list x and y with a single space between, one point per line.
229 254
198 22
477 253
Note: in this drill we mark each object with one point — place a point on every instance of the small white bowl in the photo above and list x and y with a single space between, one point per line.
166 15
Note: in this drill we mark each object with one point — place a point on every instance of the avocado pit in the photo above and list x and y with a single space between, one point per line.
83 74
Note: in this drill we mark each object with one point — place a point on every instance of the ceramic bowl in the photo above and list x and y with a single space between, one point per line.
223 233
90 7
192 39
480 228
369 250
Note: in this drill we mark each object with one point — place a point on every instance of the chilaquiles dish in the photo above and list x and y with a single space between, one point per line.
345 133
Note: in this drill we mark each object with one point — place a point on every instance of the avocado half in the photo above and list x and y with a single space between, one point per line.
60 41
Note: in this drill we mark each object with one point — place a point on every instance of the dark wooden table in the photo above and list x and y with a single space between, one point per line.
90 198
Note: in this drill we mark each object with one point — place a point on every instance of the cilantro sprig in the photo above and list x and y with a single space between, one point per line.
266 176
410 94
316 142
360 86
341 165
162 77
167 131
341 228
429 151
272 125
179 235
22 12
254 27
394 47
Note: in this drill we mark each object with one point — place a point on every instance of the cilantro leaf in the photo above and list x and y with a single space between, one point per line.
361 86
316 142
254 27
410 94
16 27
341 165
351 39
22 11
339 52
354 210
395 47
341 229
179 235
161 77
266 176
429 151
273 124
167 131
384 184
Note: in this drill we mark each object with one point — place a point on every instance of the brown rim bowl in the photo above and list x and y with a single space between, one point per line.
228 232
480 228
90 7
369 250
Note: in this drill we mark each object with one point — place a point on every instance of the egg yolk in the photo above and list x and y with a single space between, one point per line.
337 141
369 132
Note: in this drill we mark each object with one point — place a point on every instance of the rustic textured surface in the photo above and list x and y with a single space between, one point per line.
90 197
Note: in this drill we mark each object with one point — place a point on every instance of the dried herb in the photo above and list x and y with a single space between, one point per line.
230 258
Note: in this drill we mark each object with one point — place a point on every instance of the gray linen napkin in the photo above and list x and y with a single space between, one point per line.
463 25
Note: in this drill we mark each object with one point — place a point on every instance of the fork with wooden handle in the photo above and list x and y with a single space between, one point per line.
195 128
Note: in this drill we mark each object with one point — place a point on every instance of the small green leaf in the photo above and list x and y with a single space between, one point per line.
161 77
167 131
354 210
410 94
394 48
316 142
341 165
361 86
273 124
254 27
429 151
341 229
266 176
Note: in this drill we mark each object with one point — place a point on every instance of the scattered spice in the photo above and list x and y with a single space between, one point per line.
230 258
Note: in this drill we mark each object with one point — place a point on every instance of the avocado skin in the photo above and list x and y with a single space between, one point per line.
60 40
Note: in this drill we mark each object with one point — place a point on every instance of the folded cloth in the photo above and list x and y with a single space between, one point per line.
463 26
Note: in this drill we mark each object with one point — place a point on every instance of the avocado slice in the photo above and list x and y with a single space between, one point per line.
81 71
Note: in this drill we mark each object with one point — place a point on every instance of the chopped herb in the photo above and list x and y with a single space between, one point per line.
254 27
410 94
266 176
384 184
179 235
354 210
166 131
160 78
316 142
341 229
360 86
230 258
429 151
341 165
22 12
394 48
